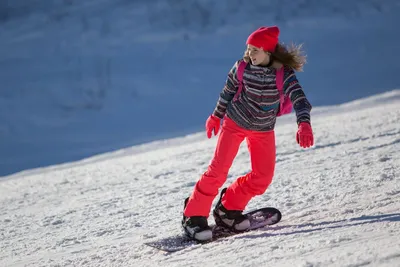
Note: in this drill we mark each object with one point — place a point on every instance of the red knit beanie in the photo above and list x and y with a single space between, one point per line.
265 38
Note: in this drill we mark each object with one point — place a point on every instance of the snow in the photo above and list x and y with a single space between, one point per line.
340 200
114 170
83 78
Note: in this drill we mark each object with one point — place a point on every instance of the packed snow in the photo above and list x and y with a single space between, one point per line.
340 200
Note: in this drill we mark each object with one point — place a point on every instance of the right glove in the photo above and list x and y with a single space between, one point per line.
212 123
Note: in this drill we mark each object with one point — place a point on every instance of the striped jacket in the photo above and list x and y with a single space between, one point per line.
258 103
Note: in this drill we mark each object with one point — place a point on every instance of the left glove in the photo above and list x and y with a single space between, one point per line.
304 136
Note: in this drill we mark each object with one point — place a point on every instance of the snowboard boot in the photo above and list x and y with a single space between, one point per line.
196 227
231 219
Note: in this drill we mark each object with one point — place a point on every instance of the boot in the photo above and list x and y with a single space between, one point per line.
196 227
231 219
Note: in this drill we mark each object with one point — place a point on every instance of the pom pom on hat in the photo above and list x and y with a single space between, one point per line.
264 37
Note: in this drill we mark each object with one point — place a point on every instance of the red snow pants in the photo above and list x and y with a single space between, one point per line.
262 152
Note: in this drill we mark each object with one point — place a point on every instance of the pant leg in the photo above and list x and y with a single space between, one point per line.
206 189
262 154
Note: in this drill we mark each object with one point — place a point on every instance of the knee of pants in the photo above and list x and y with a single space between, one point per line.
217 179
261 183
217 170
210 182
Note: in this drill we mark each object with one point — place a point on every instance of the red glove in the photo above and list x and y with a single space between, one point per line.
212 123
304 136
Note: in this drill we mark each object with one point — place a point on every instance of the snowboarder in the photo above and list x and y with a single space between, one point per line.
249 113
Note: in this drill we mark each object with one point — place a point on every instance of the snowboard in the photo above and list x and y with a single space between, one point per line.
259 218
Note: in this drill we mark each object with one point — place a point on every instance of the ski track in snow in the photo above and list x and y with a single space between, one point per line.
340 201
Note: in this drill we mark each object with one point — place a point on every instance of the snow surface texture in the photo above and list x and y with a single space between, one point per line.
340 200
79 78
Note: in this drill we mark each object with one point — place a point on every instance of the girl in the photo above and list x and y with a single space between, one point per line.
251 115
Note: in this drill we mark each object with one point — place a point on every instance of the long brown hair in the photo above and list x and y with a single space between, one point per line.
292 56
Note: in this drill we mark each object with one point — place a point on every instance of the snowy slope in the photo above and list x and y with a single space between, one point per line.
79 78
340 200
